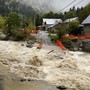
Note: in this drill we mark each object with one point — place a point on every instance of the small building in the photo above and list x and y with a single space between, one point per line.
67 21
70 19
55 27
64 24
50 22
86 24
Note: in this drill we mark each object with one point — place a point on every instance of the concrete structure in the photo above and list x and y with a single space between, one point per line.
50 22
86 24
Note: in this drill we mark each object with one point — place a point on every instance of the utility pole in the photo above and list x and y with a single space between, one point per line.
34 20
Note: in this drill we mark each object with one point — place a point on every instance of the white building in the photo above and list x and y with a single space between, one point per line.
50 22
71 19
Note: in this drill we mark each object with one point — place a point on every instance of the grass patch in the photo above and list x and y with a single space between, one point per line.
53 37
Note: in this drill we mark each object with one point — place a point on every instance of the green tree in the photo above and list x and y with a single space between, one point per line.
31 25
62 30
53 15
70 14
38 20
49 15
13 23
73 27
84 13
61 16
2 22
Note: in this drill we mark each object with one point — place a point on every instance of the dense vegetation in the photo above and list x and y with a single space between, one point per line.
15 15
12 27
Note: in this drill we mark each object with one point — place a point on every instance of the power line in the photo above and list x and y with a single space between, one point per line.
79 2
66 6
39 5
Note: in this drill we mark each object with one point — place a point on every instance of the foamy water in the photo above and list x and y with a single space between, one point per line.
59 68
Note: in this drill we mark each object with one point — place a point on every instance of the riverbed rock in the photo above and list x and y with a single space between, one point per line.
2 36
86 45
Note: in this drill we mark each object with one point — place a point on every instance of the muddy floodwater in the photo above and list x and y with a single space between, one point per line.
26 85
49 68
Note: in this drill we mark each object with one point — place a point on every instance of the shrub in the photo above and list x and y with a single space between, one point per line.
31 25
20 36
67 42
17 36
13 24
74 27
62 32
2 22
53 37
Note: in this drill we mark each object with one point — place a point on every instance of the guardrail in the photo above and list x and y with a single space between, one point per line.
59 43
78 37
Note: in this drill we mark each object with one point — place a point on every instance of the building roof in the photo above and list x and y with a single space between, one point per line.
87 20
71 19
52 21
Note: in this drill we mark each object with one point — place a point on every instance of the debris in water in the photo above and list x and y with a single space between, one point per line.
68 64
50 51
35 61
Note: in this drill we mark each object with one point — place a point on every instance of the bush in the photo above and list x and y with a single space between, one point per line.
2 22
20 36
62 32
31 26
74 27
67 42
53 37
13 28
13 24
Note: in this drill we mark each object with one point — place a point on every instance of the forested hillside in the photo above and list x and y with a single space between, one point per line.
7 6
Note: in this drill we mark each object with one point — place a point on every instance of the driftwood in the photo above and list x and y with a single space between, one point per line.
50 51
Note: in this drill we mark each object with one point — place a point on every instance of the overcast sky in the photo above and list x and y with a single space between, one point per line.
60 4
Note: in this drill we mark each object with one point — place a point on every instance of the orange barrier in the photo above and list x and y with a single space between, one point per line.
27 31
35 31
59 43
78 37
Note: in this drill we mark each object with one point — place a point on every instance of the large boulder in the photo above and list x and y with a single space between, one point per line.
2 36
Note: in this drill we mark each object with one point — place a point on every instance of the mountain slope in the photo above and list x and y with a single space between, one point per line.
40 5
7 6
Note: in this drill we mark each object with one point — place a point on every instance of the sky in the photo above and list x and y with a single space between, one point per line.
58 5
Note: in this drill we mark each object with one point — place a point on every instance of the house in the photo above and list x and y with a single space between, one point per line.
50 22
55 27
86 24
70 19
65 24
67 21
